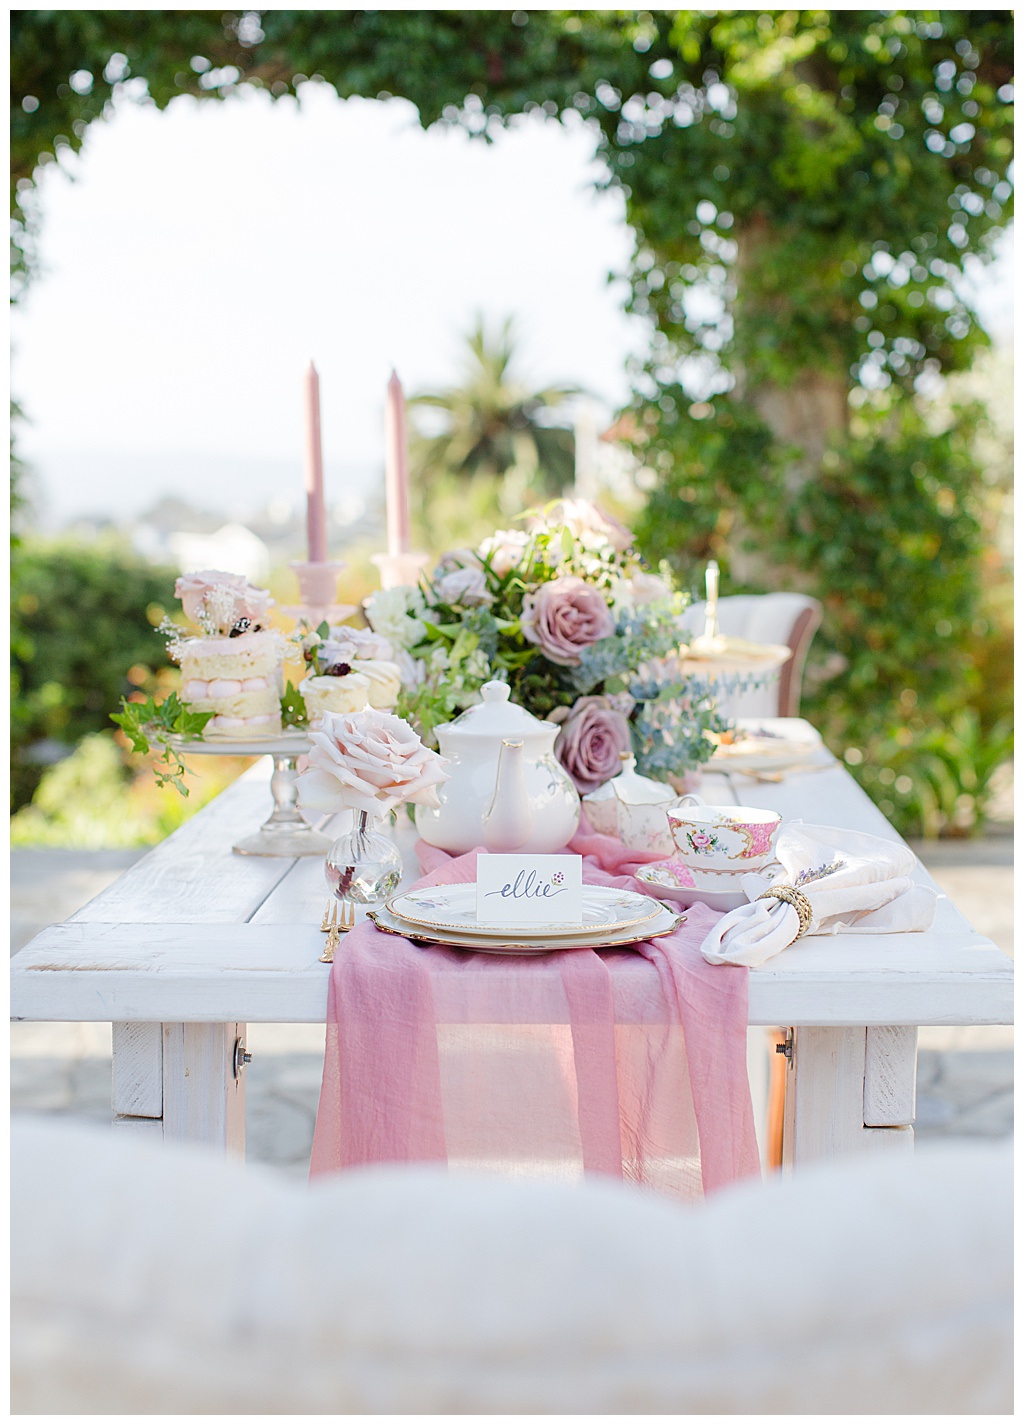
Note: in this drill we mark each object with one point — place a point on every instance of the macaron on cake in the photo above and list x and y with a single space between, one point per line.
233 667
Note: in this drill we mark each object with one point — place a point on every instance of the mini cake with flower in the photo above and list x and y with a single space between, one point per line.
232 668
350 669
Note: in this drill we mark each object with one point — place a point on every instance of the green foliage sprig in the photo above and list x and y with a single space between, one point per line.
293 708
151 724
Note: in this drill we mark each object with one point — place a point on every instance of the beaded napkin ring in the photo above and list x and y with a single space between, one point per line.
796 899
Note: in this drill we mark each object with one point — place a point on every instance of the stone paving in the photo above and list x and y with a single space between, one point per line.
965 1076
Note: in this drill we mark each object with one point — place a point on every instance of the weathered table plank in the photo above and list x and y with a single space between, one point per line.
193 876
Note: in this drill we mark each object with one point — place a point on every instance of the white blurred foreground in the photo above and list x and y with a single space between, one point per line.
168 1280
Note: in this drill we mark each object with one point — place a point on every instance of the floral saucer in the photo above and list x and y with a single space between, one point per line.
718 890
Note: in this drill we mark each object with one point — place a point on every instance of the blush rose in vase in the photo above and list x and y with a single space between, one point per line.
370 763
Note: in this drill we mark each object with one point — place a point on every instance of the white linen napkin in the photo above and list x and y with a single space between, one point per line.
854 883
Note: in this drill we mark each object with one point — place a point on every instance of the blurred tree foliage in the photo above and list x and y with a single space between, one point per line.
91 800
83 620
805 187
497 451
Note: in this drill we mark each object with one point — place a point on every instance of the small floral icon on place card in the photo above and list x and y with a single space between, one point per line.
557 879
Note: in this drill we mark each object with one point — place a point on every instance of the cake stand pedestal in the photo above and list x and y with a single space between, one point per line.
286 832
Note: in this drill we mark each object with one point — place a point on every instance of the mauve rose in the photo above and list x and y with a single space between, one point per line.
591 742
565 616
369 761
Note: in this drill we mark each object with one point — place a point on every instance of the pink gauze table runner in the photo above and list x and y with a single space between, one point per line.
630 1063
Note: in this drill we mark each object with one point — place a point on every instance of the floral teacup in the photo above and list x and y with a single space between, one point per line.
723 838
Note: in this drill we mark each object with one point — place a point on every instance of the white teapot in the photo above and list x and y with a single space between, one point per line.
507 791
633 808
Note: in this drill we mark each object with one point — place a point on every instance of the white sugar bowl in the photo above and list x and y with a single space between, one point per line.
633 808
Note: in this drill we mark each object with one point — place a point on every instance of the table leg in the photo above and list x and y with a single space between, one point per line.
181 1081
849 1091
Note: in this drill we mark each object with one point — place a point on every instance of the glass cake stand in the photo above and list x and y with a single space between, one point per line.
286 832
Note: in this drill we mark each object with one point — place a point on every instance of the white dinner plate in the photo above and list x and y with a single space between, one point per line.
515 943
759 747
453 907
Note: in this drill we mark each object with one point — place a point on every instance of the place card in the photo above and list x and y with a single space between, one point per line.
529 890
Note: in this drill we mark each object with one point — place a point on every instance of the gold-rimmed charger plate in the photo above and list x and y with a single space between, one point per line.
515 943
453 908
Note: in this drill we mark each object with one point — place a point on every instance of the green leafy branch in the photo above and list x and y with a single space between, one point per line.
149 725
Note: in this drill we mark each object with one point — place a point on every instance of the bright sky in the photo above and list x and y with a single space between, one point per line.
204 254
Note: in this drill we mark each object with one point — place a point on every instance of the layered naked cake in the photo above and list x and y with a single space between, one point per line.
234 667
238 680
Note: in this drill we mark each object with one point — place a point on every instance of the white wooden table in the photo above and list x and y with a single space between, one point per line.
194 942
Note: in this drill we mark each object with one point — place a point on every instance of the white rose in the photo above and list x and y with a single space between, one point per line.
369 761
465 587
646 588
364 641
455 559
620 594
394 614
504 550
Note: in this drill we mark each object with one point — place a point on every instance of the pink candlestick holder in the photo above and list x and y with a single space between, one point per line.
318 590
403 568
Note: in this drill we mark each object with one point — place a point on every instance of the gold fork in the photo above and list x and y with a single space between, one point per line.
338 917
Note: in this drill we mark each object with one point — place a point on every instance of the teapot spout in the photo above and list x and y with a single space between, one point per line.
508 821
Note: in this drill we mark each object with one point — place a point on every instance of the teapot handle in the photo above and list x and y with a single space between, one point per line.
691 799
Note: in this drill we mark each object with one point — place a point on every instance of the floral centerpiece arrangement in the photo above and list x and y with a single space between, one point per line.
586 636
564 610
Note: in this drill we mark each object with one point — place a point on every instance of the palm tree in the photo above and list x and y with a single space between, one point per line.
497 431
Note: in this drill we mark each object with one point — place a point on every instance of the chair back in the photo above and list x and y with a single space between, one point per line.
783 618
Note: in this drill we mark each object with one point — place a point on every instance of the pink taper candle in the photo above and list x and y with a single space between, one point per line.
316 521
396 469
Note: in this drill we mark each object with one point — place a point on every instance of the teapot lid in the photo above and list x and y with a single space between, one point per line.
496 717
633 789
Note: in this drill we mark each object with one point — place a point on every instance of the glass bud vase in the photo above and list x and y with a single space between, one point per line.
364 865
